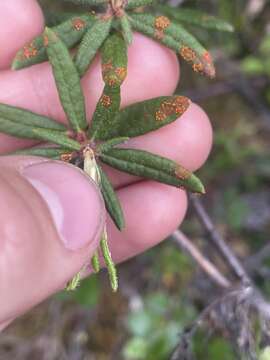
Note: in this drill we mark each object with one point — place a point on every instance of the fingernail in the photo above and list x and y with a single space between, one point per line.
73 200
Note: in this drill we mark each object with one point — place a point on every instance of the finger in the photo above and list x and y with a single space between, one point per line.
187 141
52 216
34 88
21 20
152 212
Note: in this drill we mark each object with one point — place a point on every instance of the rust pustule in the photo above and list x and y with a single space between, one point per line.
182 173
121 73
187 53
66 157
29 51
78 24
198 67
177 105
106 101
162 22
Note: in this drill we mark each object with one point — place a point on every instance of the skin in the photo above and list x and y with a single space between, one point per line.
35 261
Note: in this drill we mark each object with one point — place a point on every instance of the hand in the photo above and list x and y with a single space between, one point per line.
51 214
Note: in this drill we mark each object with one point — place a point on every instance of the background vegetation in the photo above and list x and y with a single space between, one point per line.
144 319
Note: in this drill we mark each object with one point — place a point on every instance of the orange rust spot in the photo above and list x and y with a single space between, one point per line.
107 66
29 51
182 173
176 106
106 101
45 40
66 157
121 73
187 53
162 22
198 67
207 57
78 24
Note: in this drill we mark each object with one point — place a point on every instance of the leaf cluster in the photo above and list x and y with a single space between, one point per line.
89 30
90 144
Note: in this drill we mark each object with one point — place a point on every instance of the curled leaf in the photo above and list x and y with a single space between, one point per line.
196 17
112 203
145 116
174 36
70 32
144 164
91 42
67 80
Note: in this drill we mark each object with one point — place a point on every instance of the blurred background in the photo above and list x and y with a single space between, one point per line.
163 290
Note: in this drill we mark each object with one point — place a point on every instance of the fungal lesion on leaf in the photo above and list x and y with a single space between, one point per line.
182 173
78 24
177 105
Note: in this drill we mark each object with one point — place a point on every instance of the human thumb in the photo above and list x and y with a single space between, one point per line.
52 216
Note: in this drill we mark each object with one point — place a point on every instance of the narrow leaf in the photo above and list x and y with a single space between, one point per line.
28 118
114 60
111 143
197 18
54 18
150 166
92 41
67 80
126 29
53 153
174 36
70 32
106 109
132 4
57 137
146 116
112 203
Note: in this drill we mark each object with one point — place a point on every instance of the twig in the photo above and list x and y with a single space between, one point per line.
186 245
219 242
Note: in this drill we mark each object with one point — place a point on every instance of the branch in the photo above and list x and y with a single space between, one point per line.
186 245
219 242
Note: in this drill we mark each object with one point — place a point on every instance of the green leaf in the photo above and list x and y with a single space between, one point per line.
175 37
67 80
54 18
111 143
145 116
92 41
57 137
43 152
195 17
126 29
112 203
21 123
70 32
106 109
144 164
132 4
28 118
114 60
